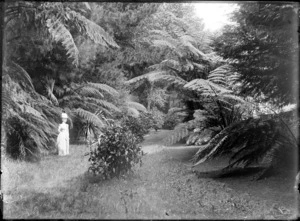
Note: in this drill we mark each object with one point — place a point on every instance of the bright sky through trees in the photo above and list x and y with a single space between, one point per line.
215 14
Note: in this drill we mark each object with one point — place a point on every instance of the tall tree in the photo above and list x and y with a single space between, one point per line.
263 47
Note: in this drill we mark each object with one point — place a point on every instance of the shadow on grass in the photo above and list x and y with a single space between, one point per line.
235 172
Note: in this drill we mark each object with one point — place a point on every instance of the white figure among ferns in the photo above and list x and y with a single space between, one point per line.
63 136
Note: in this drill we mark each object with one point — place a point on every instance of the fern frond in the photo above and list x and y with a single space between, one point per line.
160 33
18 73
195 50
231 97
104 87
90 91
208 152
199 66
172 80
136 105
177 136
34 112
108 105
94 31
69 98
167 64
89 117
133 112
61 34
268 160
198 85
176 110
164 43
250 140
151 76
181 131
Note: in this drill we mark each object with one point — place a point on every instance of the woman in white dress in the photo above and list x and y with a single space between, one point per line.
63 136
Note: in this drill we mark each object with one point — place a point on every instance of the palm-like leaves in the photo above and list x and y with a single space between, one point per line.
151 76
221 106
61 34
89 117
57 18
104 87
17 73
251 141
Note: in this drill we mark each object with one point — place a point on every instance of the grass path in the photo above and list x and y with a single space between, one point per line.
163 188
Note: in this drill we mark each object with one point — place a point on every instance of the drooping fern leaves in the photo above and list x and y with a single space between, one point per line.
61 34
249 141
94 31
108 105
104 87
89 117
206 86
181 131
90 91
151 76
17 73
136 106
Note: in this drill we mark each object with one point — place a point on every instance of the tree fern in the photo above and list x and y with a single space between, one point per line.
151 76
108 105
94 31
90 91
133 112
61 34
251 141
89 117
104 87
181 131
136 105
16 72
49 85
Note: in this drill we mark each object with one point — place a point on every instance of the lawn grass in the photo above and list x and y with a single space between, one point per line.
163 188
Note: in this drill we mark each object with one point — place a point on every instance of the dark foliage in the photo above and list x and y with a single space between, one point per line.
252 141
263 48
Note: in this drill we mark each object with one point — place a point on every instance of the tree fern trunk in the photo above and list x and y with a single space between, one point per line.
149 97
3 139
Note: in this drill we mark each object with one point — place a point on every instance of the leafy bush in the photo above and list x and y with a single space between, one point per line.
147 121
116 153
136 126
158 118
170 122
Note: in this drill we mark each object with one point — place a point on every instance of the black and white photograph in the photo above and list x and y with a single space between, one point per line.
150 110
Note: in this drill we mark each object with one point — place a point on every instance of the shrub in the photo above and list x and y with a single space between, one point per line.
170 122
137 126
116 153
147 121
158 118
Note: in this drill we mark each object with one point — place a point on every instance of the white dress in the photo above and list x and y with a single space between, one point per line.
63 139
